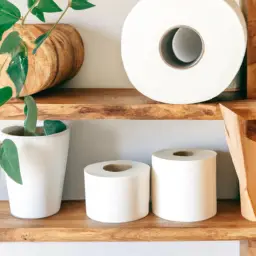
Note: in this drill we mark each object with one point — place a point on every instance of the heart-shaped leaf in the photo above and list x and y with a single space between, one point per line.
81 5
9 15
38 13
5 95
48 6
31 3
4 28
53 126
18 67
11 42
40 40
9 160
9 11
30 111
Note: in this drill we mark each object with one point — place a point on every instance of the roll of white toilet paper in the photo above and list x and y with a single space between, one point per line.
187 45
184 184
243 5
117 191
194 67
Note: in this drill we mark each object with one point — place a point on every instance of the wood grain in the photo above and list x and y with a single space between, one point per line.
71 224
63 51
240 135
81 104
251 248
57 60
251 50
66 33
40 73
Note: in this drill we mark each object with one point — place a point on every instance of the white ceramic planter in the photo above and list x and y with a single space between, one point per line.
43 162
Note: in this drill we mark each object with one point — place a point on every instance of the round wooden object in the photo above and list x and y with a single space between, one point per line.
64 53
58 59
42 67
76 42
78 47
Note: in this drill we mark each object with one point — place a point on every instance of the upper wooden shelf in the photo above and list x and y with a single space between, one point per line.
75 104
71 224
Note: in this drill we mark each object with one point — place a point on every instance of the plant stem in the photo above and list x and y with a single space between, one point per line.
1 68
29 11
61 16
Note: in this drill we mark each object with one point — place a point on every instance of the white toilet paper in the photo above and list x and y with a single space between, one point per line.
163 68
117 191
184 184
187 45
243 6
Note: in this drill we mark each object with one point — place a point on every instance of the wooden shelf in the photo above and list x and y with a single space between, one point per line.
75 104
71 224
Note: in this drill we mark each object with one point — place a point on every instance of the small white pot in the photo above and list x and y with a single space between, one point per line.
43 162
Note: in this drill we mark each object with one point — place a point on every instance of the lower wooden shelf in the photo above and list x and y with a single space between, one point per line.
72 225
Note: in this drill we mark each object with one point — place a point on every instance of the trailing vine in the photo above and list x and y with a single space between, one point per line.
15 47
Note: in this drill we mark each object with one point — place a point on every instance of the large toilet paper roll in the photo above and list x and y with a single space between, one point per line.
184 184
164 68
117 191
187 46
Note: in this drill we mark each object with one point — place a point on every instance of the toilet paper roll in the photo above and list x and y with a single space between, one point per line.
243 6
238 84
117 191
155 62
184 184
187 46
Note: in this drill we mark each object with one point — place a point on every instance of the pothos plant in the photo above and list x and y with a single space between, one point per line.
15 47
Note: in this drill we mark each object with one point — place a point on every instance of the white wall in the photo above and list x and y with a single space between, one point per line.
101 140
94 141
123 249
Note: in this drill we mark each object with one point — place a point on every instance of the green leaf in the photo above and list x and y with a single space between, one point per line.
26 110
18 67
3 28
48 6
11 42
81 4
9 15
30 3
53 126
1 152
5 95
10 160
43 6
38 13
8 12
30 111
40 40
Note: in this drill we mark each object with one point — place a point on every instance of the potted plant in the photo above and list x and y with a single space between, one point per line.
34 158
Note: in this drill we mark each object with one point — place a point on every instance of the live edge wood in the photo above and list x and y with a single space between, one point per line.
57 60
251 50
71 224
251 248
78 104
241 139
